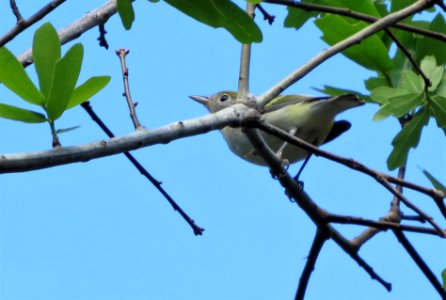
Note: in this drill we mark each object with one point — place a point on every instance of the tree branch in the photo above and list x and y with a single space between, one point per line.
420 263
318 242
340 46
382 224
77 28
236 115
21 26
380 177
316 213
356 15
157 184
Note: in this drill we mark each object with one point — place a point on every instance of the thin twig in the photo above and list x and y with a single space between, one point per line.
102 40
21 26
357 37
356 15
382 224
197 229
266 15
420 263
78 27
382 178
319 240
16 11
427 82
122 53
245 61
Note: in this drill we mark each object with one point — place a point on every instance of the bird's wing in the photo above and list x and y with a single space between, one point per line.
339 127
283 101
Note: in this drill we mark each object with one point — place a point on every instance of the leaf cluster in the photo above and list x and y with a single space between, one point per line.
57 76
397 88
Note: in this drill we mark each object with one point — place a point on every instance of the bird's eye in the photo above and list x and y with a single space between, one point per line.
224 97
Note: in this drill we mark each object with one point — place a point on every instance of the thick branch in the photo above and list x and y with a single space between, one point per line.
232 116
340 46
316 213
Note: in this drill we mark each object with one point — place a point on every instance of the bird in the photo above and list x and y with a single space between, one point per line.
307 117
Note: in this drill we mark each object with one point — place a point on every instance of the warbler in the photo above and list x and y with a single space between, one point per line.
309 118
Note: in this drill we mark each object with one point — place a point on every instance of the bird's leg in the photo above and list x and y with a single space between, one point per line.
301 184
279 152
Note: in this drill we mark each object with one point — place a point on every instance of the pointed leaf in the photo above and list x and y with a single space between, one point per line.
441 90
432 71
334 91
376 82
384 93
126 13
297 17
19 114
438 105
14 77
407 138
371 53
435 182
412 82
430 46
63 130
87 90
46 52
404 104
221 13
65 78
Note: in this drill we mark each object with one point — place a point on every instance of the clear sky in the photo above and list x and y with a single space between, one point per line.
99 230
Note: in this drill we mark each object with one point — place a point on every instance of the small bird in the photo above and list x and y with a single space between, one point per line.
309 118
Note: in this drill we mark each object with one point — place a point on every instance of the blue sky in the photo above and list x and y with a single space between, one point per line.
99 230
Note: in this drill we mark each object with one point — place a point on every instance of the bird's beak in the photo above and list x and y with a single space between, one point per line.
200 99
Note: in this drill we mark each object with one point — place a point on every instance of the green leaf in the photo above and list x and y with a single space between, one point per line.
435 182
297 17
375 82
126 13
429 46
221 13
407 138
14 77
399 106
443 275
438 106
154 1
383 94
412 82
63 130
371 53
441 90
19 114
46 52
400 4
432 71
65 78
334 91
255 1
87 90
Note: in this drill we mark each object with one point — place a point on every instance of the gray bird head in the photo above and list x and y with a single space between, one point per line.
217 101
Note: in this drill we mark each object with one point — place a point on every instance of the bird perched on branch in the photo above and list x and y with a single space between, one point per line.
309 118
